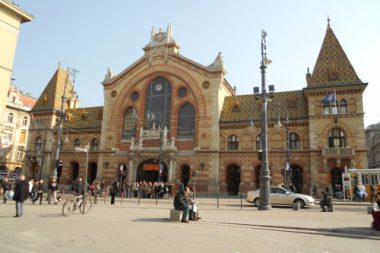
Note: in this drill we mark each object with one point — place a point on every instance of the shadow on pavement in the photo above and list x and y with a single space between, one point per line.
151 220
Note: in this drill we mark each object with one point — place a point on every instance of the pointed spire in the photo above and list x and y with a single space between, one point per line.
332 65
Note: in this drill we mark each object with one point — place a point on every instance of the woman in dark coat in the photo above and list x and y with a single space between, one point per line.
21 194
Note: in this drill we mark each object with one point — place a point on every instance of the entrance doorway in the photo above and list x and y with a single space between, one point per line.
297 178
185 174
336 177
92 172
75 170
150 171
233 179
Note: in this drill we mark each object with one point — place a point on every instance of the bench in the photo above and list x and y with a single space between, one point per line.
175 215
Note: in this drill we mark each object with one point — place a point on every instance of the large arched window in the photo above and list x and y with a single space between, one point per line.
10 117
38 144
186 121
343 106
233 142
337 138
76 143
158 103
94 145
294 141
129 125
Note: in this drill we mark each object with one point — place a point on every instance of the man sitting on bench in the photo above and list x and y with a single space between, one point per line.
181 204
326 201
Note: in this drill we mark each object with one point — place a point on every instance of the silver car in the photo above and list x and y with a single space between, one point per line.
281 196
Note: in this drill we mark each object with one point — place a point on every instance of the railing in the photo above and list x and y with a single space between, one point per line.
338 152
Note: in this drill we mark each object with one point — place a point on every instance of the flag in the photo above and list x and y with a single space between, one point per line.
329 98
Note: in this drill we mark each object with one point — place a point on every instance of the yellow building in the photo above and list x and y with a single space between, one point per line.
166 117
11 17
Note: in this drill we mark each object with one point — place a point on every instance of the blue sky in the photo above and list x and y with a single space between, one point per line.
94 35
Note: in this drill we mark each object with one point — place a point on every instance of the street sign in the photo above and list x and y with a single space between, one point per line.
80 149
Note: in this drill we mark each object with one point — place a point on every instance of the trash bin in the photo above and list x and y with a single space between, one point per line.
296 206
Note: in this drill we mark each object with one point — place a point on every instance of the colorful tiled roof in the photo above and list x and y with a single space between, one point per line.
51 97
245 108
28 100
84 118
332 65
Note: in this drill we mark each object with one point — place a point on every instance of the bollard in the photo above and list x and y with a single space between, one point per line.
217 199
241 201
138 198
156 199
296 206
121 199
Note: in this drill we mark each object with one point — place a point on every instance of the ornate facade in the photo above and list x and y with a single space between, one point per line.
373 142
16 127
166 117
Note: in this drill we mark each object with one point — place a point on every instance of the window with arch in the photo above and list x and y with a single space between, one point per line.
38 144
76 143
25 121
258 142
186 121
343 106
158 103
94 145
233 142
294 141
337 139
10 117
129 124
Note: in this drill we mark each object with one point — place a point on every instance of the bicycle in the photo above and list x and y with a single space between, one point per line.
83 203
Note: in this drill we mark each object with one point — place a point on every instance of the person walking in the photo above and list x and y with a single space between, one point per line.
7 187
53 187
40 191
113 192
21 194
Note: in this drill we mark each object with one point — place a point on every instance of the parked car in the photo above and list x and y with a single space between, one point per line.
280 196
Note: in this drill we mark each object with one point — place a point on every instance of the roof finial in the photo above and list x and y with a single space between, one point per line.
328 21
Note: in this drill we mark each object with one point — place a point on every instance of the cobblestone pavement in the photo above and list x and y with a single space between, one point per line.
144 227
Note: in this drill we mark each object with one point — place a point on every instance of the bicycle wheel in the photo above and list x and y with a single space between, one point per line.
86 205
68 207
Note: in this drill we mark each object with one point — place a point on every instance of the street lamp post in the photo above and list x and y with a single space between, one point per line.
60 127
264 172
288 168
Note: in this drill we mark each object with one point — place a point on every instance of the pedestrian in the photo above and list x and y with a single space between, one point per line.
315 192
21 194
40 191
113 191
53 187
292 188
97 192
326 201
376 213
7 188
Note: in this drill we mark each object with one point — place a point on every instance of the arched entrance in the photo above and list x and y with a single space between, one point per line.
336 177
185 174
75 170
233 179
297 178
149 171
92 172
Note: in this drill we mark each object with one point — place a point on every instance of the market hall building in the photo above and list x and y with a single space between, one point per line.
167 109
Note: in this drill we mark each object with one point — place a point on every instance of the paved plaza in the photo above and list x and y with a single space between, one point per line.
144 227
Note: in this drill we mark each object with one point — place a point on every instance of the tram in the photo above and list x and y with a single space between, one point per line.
365 176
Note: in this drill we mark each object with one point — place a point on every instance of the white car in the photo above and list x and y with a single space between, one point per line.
281 196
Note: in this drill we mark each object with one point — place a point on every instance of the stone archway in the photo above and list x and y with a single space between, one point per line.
74 171
92 172
150 171
297 178
185 174
233 179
